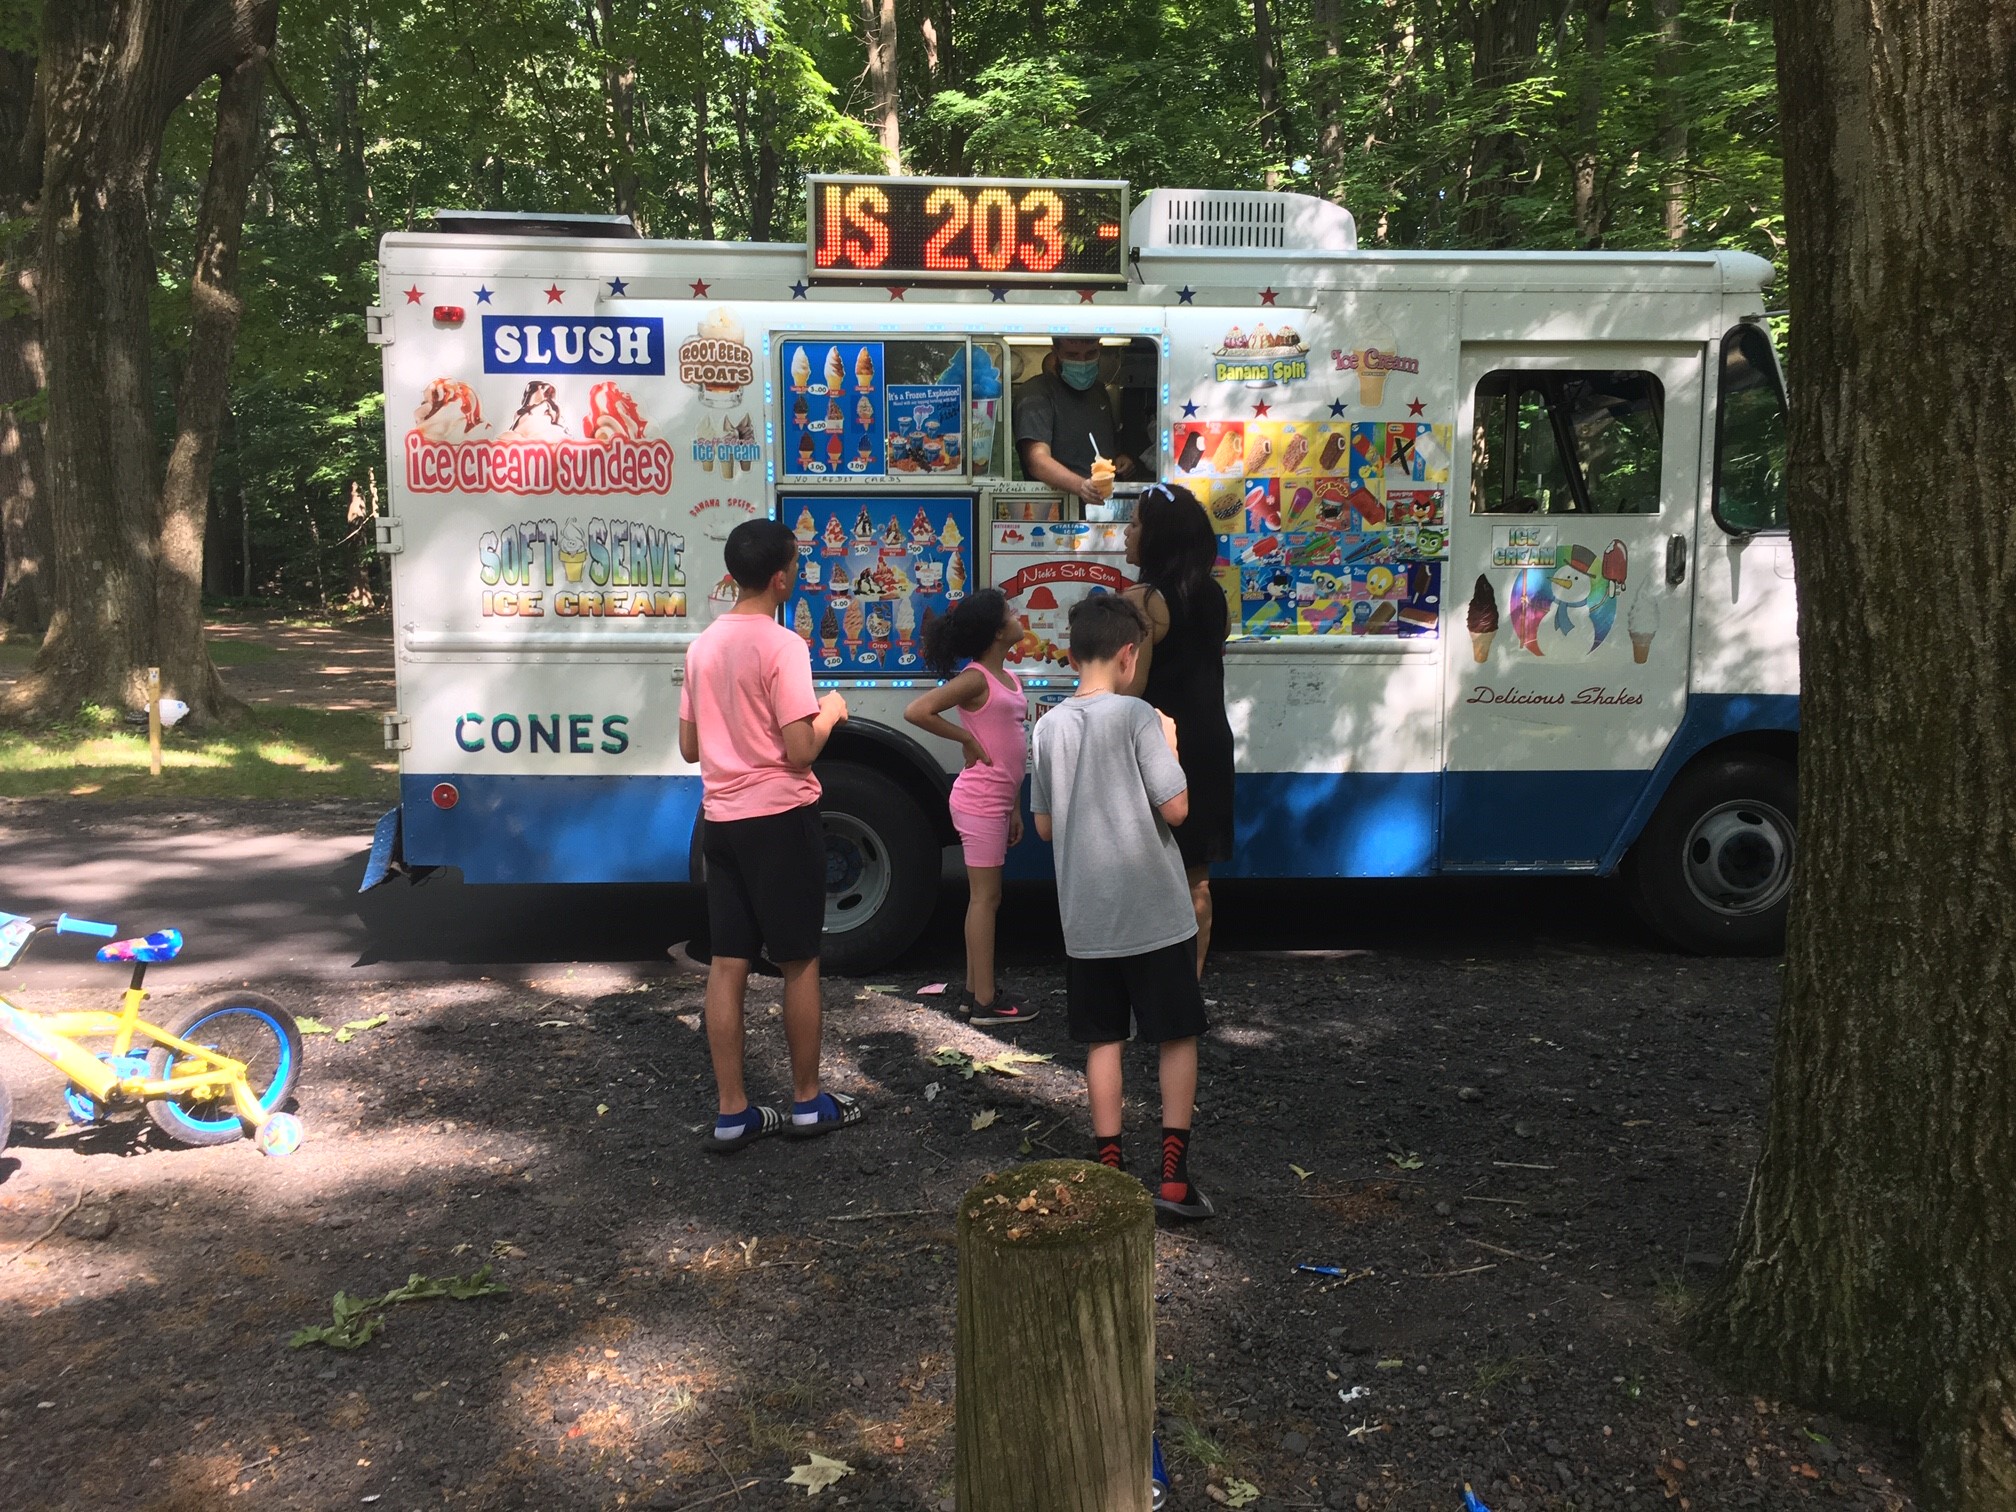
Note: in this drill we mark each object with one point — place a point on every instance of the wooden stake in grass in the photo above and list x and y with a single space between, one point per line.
154 720
1056 1341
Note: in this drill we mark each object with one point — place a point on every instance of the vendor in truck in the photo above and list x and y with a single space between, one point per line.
1060 413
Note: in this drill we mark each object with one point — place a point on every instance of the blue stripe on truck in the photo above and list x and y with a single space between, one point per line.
554 829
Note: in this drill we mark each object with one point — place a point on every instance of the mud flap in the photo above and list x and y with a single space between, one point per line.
387 857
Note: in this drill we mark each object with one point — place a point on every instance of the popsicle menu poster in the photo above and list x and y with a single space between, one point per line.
872 571
833 409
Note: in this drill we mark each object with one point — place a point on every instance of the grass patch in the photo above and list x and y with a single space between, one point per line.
275 753
17 652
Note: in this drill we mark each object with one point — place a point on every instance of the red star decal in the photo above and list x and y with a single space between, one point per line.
554 293
897 291
699 287
413 295
1415 406
1268 296
1085 295
1260 409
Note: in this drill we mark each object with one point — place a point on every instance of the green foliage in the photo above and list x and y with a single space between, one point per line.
356 1321
272 753
1438 125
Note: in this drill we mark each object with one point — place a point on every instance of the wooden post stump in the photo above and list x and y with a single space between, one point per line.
1056 1348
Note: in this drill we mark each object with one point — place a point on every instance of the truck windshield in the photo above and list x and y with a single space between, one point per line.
1749 436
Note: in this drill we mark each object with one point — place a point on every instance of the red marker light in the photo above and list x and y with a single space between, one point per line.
445 795
448 314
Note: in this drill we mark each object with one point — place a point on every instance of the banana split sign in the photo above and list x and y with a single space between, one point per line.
573 344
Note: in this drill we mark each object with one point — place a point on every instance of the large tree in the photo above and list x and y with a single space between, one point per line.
25 586
129 542
1875 1269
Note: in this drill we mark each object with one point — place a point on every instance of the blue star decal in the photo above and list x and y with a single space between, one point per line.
1000 294
483 295
1189 411
1186 294
617 288
800 289
1336 408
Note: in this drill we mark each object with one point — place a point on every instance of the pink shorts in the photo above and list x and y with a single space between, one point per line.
983 837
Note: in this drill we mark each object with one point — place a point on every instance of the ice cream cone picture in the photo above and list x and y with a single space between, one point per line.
906 627
864 379
1482 619
835 449
851 622
829 636
574 550
802 622
703 445
878 631
745 438
801 375
950 536
921 533
1373 351
955 576
835 371
1642 624
806 530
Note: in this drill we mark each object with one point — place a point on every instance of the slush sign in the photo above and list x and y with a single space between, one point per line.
572 344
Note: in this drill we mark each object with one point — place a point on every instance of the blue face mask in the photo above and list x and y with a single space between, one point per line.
1080 375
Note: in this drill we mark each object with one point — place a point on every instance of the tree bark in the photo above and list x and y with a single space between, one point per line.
1267 66
1672 122
619 84
1505 42
26 589
1056 1342
703 172
1874 1271
879 27
203 395
1590 213
111 74
1326 97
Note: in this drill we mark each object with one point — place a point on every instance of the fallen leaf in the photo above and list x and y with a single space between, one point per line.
357 1026
1239 1493
931 1092
311 1026
601 1110
1391 1364
1300 1174
983 1119
1408 1162
819 1474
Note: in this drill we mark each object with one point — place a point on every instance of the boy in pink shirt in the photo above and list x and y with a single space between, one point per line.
748 716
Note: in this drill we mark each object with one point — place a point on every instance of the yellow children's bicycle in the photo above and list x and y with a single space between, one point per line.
221 1073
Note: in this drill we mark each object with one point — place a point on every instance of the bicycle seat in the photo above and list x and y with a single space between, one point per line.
162 945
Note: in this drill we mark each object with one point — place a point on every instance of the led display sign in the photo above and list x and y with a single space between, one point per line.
1061 233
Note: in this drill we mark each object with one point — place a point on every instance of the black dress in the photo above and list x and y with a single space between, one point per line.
1186 681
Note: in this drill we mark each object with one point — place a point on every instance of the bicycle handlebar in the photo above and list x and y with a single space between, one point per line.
67 925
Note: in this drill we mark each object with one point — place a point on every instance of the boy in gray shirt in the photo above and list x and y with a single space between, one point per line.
1106 788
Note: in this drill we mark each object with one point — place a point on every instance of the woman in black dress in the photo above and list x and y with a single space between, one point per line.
1182 672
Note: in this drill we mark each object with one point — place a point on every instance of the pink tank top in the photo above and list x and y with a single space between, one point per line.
998 725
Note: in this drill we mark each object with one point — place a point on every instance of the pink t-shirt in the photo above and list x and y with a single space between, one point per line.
746 678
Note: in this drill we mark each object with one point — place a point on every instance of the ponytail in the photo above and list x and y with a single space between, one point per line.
971 627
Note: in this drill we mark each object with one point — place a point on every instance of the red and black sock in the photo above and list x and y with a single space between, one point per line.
1106 1150
1175 1165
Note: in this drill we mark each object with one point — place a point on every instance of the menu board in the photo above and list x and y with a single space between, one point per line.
833 410
925 427
873 571
1045 568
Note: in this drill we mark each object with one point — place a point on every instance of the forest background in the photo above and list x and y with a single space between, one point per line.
1439 123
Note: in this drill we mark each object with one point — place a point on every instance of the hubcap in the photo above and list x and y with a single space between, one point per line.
857 873
1739 858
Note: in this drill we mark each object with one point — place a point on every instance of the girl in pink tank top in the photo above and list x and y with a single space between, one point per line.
986 800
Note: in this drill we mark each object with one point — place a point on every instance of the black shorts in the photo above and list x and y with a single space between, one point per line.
766 885
1158 990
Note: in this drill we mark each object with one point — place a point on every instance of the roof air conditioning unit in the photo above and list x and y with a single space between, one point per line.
1170 220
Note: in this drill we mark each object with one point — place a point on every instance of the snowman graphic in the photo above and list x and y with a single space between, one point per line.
1572 606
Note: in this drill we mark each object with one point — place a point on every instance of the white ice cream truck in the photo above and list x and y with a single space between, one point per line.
1502 534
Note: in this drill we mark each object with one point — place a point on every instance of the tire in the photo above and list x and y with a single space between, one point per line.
246 1026
881 869
1713 870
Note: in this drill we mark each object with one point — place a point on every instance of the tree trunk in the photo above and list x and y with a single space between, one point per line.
703 172
1056 1344
879 26
1267 66
26 589
763 201
1327 98
1672 122
204 392
1589 208
1874 1272
619 84
1505 42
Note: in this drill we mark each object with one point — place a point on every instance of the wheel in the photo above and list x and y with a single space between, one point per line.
1713 870
247 1027
881 869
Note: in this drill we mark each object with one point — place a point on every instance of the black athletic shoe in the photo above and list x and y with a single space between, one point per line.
1005 1009
1195 1205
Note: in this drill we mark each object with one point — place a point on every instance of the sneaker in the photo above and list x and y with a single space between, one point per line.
1005 1009
1195 1205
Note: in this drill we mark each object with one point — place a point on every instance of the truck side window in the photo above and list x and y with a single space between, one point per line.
1552 442
1749 436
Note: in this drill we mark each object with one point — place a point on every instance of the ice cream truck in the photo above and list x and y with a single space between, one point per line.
1502 535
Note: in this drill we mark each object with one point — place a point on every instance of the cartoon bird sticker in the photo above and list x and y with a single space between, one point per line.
1577 597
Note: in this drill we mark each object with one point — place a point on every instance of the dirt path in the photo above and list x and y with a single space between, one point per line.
1526 1161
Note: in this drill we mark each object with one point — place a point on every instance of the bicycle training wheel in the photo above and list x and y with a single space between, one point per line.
6 1115
247 1027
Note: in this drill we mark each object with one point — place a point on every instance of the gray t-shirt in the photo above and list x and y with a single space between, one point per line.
1065 419
1102 770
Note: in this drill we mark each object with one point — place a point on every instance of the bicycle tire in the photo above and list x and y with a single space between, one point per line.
261 1033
